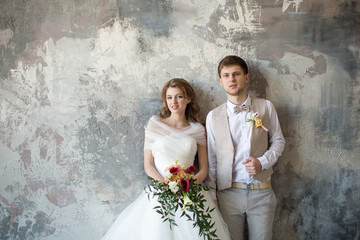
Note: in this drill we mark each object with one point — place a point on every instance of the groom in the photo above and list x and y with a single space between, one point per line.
244 142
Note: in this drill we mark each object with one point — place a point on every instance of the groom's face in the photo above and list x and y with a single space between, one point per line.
233 80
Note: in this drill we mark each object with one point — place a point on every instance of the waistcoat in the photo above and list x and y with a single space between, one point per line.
259 142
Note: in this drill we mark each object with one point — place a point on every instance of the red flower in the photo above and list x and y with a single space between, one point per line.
185 184
191 169
174 170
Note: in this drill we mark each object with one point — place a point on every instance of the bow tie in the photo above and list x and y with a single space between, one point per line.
238 109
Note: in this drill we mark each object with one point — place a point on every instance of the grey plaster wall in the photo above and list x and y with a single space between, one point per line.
79 80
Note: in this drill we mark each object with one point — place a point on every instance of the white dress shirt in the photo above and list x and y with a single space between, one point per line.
241 132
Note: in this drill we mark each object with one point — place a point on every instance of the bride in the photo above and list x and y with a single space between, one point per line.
177 134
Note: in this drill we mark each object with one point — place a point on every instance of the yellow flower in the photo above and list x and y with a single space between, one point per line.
258 122
181 174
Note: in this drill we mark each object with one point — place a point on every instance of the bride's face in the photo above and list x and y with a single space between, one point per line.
176 101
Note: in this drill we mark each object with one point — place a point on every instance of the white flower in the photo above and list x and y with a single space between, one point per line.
255 115
168 175
173 186
187 201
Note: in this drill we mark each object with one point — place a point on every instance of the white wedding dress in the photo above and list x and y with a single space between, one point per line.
139 221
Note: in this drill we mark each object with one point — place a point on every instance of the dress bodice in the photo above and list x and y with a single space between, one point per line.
169 148
169 144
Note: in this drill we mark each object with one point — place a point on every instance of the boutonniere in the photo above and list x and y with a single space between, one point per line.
257 121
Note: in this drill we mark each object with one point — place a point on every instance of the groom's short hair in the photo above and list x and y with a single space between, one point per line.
232 60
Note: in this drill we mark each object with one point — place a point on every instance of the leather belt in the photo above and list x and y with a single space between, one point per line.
251 186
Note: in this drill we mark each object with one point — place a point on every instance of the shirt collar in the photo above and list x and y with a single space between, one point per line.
231 105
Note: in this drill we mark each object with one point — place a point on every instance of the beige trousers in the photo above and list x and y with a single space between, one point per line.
256 206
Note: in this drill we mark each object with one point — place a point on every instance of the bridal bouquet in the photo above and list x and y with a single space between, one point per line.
181 191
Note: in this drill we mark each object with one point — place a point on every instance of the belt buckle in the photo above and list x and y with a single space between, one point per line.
248 186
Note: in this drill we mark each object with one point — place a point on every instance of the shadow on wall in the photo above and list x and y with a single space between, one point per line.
258 83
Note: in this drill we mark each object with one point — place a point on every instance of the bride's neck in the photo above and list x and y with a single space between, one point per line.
176 121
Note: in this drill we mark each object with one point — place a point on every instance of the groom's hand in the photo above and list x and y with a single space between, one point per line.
252 165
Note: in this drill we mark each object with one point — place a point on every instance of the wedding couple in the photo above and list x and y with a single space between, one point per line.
244 140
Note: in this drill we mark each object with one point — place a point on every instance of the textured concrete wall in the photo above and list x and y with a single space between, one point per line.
79 80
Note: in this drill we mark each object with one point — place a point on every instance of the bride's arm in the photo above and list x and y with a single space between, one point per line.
203 164
149 166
